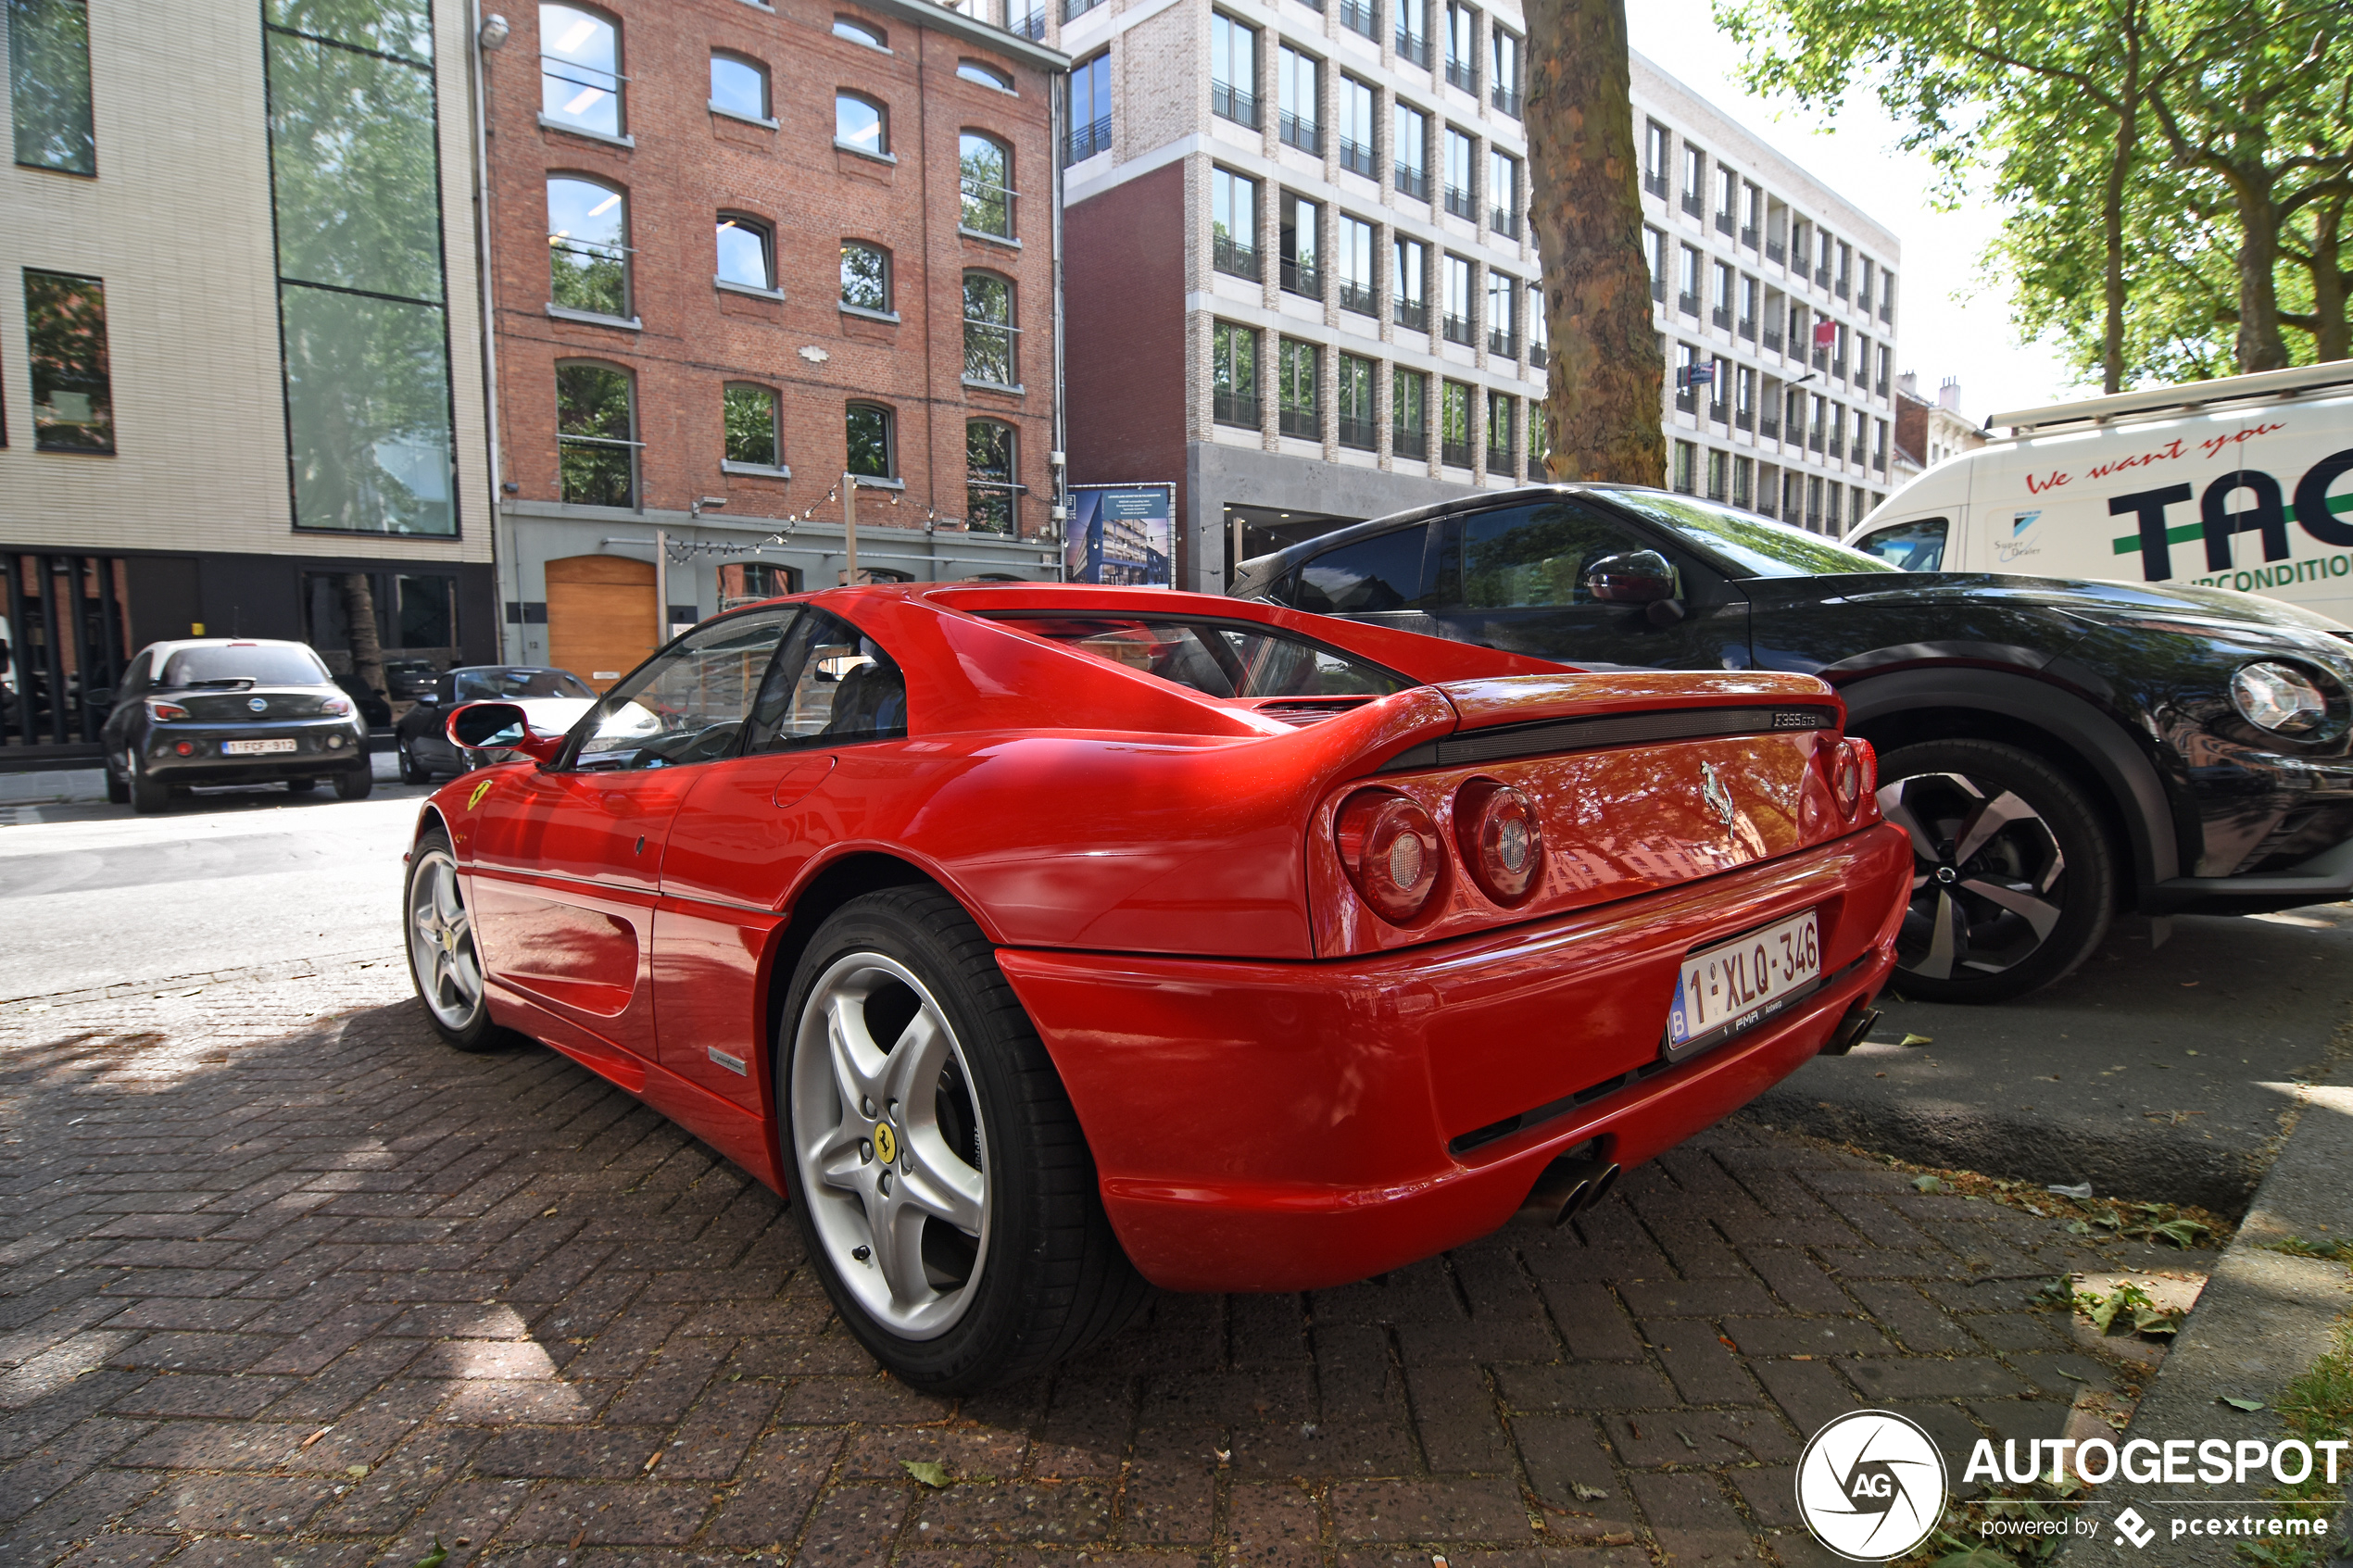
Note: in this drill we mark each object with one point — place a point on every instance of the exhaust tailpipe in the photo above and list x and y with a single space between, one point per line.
1567 1186
1860 1020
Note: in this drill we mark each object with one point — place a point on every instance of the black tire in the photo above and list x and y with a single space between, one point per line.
2007 897
148 794
354 783
410 772
117 787
459 1018
1044 1276
301 786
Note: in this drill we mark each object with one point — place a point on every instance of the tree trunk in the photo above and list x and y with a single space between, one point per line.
2261 346
2112 209
359 610
1604 400
2332 333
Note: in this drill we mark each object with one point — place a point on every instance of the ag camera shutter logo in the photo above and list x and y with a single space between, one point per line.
1871 1485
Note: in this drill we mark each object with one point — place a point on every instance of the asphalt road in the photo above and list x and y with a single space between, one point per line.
2152 1073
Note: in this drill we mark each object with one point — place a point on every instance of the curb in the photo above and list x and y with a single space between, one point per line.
2263 1318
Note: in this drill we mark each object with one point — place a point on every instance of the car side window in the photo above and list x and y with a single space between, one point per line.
1532 557
688 705
1916 546
1386 571
831 685
135 680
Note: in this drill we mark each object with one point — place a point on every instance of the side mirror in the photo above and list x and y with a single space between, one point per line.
431 698
1636 577
498 726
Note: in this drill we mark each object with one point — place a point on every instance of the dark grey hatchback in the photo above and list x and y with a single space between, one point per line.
218 711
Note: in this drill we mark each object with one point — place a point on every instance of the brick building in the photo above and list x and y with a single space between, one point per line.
736 250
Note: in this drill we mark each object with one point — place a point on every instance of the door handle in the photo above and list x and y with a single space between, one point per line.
801 777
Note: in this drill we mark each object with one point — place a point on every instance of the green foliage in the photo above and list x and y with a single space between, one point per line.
2316 1407
2131 1303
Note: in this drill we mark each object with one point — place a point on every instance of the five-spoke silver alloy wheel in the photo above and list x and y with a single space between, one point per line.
1989 880
888 1144
441 941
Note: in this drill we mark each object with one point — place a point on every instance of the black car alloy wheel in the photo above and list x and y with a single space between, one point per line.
2013 878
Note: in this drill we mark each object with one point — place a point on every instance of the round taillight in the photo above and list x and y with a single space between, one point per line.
1391 848
184 749
1854 769
1501 840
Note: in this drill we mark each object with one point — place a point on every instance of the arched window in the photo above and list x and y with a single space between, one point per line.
873 448
747 252
989 331
587 246
596 434
580 69
865 32
989 493
752 426
866 276
985 74
862 125
739 87
986 165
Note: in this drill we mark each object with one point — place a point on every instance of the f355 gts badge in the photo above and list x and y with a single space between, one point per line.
1718 798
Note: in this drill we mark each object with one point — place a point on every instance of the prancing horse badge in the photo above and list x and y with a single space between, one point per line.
1712 790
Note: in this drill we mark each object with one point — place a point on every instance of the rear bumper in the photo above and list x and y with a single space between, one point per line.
1285 1126
324 746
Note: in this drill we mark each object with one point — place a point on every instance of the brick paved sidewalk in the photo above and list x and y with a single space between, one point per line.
283 1280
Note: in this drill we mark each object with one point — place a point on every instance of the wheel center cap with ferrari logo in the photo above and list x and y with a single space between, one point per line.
886 1143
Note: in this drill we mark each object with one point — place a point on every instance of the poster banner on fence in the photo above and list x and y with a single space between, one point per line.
1121 534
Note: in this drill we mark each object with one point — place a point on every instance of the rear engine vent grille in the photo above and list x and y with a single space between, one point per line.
1627 729
1298 715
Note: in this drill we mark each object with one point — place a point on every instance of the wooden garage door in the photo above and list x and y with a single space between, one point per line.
600 616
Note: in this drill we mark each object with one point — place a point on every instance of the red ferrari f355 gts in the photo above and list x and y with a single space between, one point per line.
1043 941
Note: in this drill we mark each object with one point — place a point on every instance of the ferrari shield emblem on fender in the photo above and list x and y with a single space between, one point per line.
480 790
1712 790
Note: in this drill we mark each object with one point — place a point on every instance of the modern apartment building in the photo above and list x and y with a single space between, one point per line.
240 379
744 256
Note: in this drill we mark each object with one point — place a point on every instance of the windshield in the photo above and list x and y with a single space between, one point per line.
1221 658
264 664
509 685
1764 547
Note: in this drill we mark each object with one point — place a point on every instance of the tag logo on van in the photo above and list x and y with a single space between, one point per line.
2021 523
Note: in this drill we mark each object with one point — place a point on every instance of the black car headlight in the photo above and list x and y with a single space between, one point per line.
2279 697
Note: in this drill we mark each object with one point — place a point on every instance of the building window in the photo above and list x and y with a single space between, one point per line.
1886 295
1687 282
1505 84
580 69
1728 194
1089 107
1462 48
1454 297
1409 134
990 493
1409 280
1686 393
49 85
746 582
1720 474
1657 154
1694 179
739 87
588 247
862 125
873 450
1233 224
1233 69
596 435
1301 272
65 321
1886 362
1357 291
747 253
1362 17
1720 302
1458 173
1413 31
1744 481
1539 336
1357 108
985 168
863 32
866 276
1744 399
1748 307
1655 251
1298 91
1455 423
1499 433
1233 375
1409 413
1540 443
986 75
1298 411
989 330
1358 429
1502 192
750 416
1845 269
1686 467
1503 314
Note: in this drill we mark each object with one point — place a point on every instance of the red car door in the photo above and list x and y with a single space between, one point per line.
567 859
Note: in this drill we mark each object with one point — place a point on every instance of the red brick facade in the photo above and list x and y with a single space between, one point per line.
691 164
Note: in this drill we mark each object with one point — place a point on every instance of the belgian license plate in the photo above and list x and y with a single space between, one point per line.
256 747
1739 984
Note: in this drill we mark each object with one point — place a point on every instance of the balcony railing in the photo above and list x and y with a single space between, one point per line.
1776 251
1457 329
1302 277
1721 316
1816 440
1721 411
1886 311
1693 205
1747 328
1358 297
1506 99
1881 386
1748 238
1030 24
1229 254
1821 356
1305 134
1772 338
1499 461
1688 304
1686 400
1843 285
1745 420
1879 459
1822 276
1235 408
1357 158
1413 46
1656 185
1087 139
1462 74
1458 202
1504 222
1838 444
1409 443
1362 435
1539 355
1500 342
1658 287
1361 15
1413 314
1412 182
1723 222
1233 102
1306 424
1455 454
1074 10
1769 427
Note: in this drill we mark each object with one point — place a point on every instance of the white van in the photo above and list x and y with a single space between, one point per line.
2245 482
